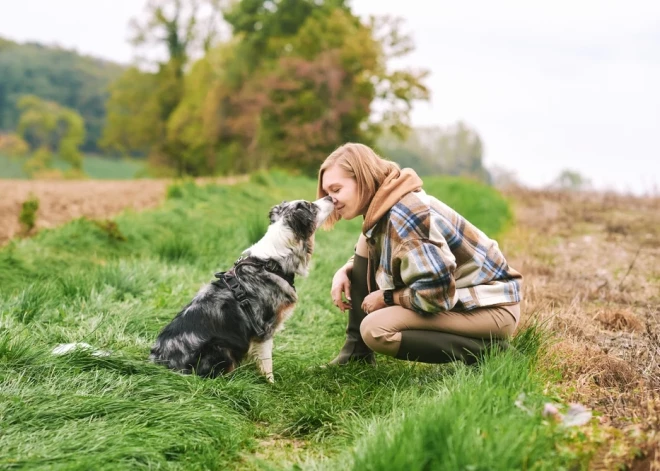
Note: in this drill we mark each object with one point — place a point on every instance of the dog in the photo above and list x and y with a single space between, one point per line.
237 314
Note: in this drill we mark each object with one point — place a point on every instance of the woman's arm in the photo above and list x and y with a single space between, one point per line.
427 270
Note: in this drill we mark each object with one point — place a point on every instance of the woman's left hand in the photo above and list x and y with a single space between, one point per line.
373 302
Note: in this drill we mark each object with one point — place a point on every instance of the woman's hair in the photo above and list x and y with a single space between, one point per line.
361 163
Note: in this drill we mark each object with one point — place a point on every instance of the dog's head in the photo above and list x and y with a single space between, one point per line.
301 216
295 222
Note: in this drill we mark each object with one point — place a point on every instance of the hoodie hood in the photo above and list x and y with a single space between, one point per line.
398 184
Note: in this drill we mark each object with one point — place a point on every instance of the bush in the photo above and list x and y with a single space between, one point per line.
28 215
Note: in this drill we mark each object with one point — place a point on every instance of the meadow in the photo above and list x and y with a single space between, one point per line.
115 283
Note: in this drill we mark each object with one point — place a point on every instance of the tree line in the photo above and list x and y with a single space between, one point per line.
293 80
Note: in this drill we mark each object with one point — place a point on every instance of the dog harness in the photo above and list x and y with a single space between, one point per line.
231 280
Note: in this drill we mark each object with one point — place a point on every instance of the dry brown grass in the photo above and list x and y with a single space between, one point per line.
592 275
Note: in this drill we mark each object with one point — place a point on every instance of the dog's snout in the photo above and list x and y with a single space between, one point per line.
328 198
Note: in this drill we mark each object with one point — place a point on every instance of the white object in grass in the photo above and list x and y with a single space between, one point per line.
65 348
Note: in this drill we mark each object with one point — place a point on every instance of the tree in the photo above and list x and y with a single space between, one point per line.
451 150
322 69
503 177
320 92
50 128
571 180
297 79
141 103
13 145
134 121
396 90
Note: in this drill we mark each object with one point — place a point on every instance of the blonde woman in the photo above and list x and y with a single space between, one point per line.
424 284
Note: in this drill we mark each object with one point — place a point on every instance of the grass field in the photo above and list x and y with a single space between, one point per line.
115 284
94 166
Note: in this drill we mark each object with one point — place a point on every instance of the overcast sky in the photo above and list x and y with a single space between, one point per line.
549 85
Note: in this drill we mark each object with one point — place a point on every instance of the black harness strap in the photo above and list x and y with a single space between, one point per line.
231 280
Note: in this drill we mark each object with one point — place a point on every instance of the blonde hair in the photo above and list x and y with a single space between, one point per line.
361 163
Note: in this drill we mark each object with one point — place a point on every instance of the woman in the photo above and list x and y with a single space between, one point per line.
424 284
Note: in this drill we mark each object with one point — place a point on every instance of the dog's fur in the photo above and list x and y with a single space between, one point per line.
212 335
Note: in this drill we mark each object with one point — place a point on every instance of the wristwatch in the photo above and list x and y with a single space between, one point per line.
388 296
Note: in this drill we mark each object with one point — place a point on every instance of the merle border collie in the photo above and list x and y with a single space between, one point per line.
236 315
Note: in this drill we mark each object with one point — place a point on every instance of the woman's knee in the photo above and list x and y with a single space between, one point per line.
377 337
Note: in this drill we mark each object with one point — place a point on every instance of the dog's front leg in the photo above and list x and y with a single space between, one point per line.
264 354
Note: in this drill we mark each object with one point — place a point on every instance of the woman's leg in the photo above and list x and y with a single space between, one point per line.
354 348
439 338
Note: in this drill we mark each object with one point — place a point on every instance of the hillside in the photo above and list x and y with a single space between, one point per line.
61 75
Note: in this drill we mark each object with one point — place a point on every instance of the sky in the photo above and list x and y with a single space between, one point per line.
548 85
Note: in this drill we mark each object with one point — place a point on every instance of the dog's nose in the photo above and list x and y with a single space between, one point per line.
328 198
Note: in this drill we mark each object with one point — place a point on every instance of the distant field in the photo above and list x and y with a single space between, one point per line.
104 168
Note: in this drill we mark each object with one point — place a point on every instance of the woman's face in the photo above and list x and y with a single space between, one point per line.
343 190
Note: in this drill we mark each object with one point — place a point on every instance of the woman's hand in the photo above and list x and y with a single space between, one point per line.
341 285
374 301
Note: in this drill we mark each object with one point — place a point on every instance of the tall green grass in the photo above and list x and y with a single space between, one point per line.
81 283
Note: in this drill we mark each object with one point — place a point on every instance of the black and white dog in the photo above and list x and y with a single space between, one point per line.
239 313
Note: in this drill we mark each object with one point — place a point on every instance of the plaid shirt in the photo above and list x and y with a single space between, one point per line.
437 260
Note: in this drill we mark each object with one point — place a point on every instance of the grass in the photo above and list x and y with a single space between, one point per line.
94 166
81 283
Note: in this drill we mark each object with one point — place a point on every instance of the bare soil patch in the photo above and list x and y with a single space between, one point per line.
63 200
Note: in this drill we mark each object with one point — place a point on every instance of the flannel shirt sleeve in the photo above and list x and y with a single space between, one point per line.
427 270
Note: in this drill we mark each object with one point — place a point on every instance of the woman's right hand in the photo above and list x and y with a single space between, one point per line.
341 288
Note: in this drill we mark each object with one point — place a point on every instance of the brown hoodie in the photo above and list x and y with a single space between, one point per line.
398 184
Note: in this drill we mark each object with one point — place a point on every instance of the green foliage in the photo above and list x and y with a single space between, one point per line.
28 215
262 178
133 119
13 145
483 206
59 75
141 103
297 78
48 127
319 93
174 191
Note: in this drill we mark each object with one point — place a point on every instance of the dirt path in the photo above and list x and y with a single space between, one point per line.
592 275
62 201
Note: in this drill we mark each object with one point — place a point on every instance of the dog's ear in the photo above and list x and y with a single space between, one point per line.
275 213
302 223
